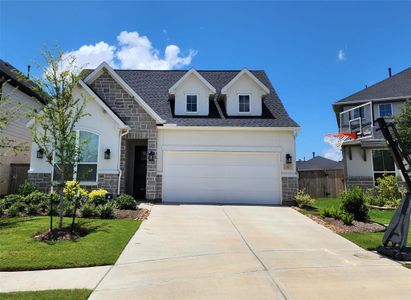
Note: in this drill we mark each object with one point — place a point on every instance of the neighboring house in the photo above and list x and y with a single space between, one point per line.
368 157
18 88
184 136
321 177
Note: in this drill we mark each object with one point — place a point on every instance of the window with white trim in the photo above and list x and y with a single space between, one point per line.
383 163
385 110
244 103
191 103
86 168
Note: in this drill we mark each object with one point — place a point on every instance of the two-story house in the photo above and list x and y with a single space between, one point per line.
367 157
17 88
183 136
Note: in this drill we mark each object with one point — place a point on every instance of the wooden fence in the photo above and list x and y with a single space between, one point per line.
322 183
18 174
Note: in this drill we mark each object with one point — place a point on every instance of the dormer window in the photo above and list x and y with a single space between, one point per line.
244 103
191 103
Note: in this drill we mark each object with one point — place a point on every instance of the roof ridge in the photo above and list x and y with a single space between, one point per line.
184 70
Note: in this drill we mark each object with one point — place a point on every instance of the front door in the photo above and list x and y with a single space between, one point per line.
140 172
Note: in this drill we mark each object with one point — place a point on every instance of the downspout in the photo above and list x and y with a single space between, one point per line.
119 159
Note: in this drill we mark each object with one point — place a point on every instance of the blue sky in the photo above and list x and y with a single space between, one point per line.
314 52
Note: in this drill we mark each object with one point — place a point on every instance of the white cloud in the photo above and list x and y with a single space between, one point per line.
132 51
341 56
332 153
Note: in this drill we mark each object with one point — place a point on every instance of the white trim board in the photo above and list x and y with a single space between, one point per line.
212 89
249 74
105 66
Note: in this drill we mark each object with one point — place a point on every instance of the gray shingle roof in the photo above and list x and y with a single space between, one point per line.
17 79
319 163
396 86
153 86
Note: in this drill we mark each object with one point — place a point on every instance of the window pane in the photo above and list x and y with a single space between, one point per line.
244 103
89 146
87 172
57 176
383 161
385 110
191 103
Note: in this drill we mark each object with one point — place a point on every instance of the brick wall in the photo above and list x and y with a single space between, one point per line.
41 180
108 182
289 189
141 124
363 182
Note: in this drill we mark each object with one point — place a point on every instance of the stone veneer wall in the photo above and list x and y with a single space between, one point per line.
41 180
142 126
109 182
363 182
289 189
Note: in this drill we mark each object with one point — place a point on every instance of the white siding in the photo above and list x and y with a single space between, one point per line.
244 85
192 86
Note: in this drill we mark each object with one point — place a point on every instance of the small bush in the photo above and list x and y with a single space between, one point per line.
1 211
98 197
12 212
32 209
88 211
336 213
68 209
353 202
106 211
303 199
20 206
325 213
45 206
72 189
26 188
347 219
125 201
36 198
9 200
387 191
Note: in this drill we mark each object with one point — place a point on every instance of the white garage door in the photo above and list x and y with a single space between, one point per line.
221 177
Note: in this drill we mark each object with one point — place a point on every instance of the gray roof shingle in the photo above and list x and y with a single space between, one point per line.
396 86
319 163
153 85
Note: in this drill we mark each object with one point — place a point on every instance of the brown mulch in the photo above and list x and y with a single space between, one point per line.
339 227
59 235
138 214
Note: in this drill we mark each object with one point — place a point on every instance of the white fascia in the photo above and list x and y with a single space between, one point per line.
212 89
175 127
249 74
105 66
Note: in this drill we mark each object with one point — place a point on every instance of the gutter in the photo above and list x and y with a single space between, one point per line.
119 158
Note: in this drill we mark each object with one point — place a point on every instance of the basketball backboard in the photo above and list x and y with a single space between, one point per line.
357 120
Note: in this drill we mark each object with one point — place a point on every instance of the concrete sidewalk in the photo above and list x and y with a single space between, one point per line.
246 252
75 278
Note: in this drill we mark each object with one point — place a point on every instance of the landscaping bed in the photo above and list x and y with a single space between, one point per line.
102 245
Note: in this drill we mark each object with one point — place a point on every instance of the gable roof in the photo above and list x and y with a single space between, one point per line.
196 74
319 163
153 87
397 86
19 80
250 75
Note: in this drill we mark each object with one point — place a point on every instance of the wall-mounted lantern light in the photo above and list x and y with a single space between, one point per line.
288 158
40 153
107 154
151 156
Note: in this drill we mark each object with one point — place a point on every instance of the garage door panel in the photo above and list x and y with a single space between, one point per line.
221 177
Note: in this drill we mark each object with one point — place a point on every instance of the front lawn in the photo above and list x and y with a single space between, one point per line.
101 246
366 240
47 295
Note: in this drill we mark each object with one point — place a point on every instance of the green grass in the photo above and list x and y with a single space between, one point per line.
369 241
101 246
47 295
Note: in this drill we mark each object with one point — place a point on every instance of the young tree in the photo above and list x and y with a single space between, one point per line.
53 129
403 121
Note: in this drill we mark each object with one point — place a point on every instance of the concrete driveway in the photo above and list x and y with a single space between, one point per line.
246 252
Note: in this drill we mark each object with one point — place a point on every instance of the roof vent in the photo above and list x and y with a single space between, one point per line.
389 72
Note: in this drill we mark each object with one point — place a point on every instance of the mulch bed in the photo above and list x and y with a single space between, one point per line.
60 235
339 227
138 214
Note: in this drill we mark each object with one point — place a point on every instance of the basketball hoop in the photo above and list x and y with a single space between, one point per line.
337 139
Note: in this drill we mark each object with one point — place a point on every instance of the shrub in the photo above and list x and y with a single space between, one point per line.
98 197
72 189
387 191
32 209
125 201
26 188
303 199
19 206
12 212
9 200
353 202
325 213
347 219
45 206
36 198
106 211
336 213
1 211
88 210
68 209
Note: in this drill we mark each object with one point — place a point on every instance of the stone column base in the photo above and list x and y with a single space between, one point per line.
289 189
